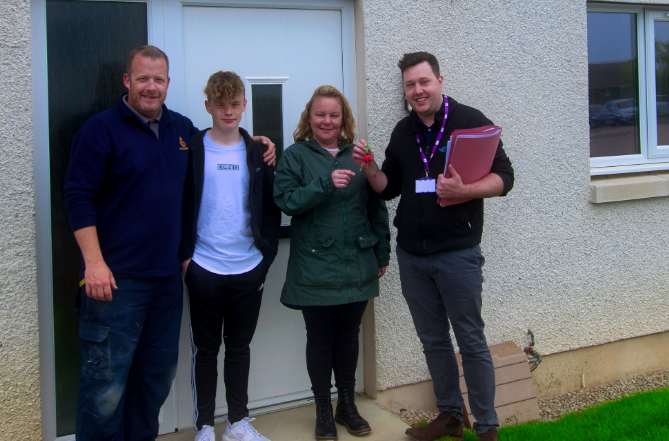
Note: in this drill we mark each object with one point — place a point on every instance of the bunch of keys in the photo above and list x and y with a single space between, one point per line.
367 158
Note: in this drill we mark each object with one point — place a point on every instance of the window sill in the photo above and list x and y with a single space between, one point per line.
615 188
629 168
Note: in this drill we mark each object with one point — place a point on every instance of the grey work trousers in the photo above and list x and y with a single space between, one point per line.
442 287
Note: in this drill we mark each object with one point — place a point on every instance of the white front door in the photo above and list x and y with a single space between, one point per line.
282 52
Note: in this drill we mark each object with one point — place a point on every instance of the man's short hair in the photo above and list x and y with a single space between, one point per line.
223 87
415 58
146 51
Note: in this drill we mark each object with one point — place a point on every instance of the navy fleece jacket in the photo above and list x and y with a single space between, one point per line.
129 183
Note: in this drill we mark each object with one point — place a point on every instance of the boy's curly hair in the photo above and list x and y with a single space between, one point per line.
223 87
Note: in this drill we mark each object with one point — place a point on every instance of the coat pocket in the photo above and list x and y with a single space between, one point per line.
314 262
367 262
96 353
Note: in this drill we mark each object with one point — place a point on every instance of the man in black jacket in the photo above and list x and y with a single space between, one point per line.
438 248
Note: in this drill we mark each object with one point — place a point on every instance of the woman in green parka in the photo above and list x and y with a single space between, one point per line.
339 248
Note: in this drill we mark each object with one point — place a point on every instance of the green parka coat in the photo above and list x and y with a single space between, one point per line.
339 238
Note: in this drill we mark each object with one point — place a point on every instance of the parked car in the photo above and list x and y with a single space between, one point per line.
662 106
626 109
601 116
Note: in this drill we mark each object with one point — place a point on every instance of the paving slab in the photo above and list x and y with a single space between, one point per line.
298 425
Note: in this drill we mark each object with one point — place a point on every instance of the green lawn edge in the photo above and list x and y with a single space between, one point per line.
639 417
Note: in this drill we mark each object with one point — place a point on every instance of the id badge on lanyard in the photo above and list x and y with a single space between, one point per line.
427 184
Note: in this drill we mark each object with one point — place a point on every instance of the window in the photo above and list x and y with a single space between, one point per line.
268 108
87 46
628 73
267 112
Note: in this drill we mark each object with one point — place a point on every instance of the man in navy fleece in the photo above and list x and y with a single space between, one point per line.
123 193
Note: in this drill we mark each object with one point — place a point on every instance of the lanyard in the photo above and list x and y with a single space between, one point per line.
436 144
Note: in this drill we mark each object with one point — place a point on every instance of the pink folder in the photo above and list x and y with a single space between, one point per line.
471 153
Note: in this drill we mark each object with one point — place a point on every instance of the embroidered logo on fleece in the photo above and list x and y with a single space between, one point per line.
183 144
443 149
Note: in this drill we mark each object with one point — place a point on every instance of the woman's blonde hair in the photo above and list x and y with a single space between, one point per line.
347 131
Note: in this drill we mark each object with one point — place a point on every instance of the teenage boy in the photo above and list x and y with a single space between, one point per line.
438 248
230 228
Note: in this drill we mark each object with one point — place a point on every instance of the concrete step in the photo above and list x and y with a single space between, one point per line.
298 425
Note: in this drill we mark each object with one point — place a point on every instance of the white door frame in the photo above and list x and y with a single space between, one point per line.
157 35
175 21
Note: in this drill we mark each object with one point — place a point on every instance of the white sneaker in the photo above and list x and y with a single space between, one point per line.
205 434
242 431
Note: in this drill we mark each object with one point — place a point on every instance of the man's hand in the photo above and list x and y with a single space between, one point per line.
99 278
270 155
376 178
184 266
341 177
382 271
451 188
359 152
99 282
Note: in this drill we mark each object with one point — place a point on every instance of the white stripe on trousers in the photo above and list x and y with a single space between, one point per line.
192 367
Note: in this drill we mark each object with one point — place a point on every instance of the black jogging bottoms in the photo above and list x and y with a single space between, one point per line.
223 308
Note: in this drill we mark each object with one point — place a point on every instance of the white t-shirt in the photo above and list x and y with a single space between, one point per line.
224 242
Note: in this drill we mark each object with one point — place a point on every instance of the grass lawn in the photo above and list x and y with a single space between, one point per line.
640 417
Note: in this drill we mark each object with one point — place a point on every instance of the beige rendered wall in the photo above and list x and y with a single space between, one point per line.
19 355
576 273
592 366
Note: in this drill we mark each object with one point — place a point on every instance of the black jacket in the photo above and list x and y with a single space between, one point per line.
265 215
423 226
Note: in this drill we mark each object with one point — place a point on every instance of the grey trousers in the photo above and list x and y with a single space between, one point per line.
442 287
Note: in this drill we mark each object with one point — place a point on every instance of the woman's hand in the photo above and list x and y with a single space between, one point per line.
382 271
341 178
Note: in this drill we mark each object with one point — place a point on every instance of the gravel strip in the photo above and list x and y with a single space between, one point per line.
555 407
412 416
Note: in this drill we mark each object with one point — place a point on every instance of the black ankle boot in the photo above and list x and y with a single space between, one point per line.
325 426
347 413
